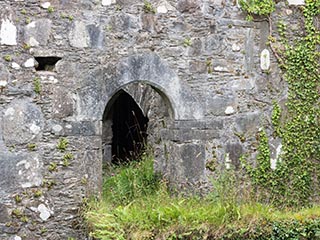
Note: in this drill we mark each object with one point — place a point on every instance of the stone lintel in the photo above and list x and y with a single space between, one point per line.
187 135
83 128
198 124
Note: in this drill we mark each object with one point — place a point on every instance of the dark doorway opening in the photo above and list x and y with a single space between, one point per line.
129 129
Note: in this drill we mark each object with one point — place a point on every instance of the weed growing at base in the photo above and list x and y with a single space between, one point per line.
137 204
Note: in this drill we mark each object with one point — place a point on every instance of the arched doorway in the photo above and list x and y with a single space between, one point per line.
133 119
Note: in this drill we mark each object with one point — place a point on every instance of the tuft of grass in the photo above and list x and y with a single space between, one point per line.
137 204
66 159
37 85
50 9
148 8
130 181
187 42
7 58
53 167
31 146
62 144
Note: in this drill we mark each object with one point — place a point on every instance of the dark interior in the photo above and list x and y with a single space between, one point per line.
129 128
46 63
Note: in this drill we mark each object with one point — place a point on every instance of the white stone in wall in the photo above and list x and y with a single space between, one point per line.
29 63
9 112
164 7
15 66
229 110
44 212
16 237
235 47
107 2
265 60
227 161
220 69
3 84
33 42
238 4
296 2
45 5
28 172
57 128
218 2
78 36
274 161
8 33
35 129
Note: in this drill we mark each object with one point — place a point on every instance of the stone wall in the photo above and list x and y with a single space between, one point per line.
201 57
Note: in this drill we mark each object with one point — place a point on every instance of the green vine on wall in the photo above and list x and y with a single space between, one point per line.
257 7
276 118
301 133
296 179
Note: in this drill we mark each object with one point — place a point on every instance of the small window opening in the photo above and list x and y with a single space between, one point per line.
46 63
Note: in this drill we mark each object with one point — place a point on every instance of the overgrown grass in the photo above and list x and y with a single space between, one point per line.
138 205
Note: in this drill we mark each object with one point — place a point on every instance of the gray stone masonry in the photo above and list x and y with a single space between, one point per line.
194 68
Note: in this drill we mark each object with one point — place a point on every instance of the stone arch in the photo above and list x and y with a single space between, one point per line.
149 68
98 86
133 88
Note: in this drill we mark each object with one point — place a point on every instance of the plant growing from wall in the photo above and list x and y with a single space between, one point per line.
37 85
7 58
53 167
50 9
32 146
66 159
275 118
187 42
257 7
301 132
62 144
296 178
148 8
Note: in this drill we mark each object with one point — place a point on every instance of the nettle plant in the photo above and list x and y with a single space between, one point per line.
296 179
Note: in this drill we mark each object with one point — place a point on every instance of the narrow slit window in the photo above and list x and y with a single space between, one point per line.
46 63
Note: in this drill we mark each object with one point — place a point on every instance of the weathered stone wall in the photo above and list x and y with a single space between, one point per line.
201 57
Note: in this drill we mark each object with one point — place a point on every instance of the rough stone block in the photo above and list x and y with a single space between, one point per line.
4 76
198 67
96 36
235 151
22 122
4 215
19 171
38 32
62 103
216 105
79 36
248 123
187 163
8 33
189 6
